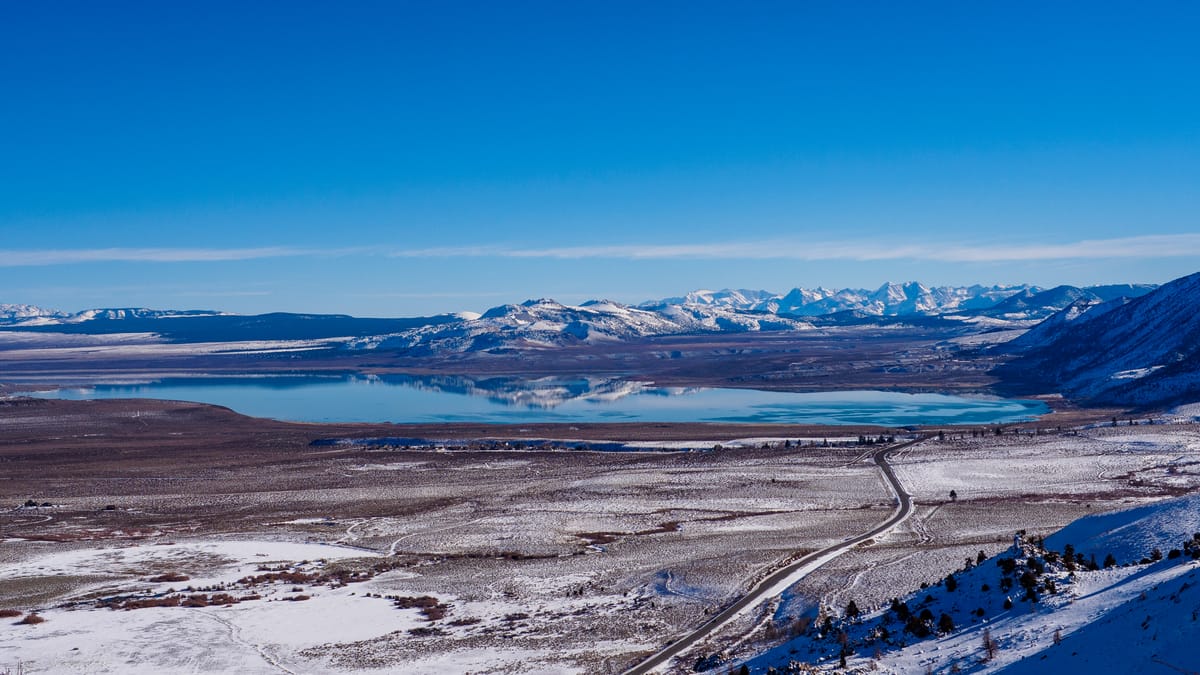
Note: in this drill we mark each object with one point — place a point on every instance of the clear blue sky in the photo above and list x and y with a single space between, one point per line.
404 158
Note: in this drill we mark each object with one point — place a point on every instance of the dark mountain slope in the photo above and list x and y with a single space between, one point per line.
1145 352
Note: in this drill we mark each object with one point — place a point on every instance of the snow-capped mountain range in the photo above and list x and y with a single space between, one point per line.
1103 344
888 300
912 298
545 323
31 315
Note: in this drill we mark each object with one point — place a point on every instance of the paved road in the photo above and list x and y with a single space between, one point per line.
770 586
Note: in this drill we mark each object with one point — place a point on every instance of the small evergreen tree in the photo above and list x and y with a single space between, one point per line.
945 623
851 610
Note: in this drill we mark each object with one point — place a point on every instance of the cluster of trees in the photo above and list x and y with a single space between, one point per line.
1191 549
1131 422
867 440
1030 570
920 624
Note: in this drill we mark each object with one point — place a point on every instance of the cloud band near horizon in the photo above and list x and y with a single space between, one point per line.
1145 246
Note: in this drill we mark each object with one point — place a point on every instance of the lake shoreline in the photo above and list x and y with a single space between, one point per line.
329 398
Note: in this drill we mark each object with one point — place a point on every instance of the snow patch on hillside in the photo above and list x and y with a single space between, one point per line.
1138 616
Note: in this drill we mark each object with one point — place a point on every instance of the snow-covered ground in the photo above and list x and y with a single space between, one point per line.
1134 617
255 636
577 562
295 624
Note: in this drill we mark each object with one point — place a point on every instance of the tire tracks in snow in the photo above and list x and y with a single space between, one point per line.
235 634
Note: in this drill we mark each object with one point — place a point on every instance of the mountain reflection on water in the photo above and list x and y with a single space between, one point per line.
452 398
542 393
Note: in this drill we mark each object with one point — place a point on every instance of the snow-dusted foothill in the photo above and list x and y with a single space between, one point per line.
31 314
1142 352
546 323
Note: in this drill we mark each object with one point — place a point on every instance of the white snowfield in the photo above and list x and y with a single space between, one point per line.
249 637
326 633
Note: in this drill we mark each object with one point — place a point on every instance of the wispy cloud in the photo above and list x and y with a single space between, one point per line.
28 258
1148 246
862 250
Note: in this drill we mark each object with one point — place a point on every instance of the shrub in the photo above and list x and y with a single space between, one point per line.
989 645
197 600
9 613
917 627
31 619
169 577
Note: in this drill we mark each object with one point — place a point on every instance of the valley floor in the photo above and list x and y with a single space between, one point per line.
469 557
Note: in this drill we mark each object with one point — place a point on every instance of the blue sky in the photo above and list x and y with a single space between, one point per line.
407 158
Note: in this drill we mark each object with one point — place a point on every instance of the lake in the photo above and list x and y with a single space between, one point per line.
433 399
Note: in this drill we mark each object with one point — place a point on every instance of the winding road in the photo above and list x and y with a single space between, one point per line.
786 576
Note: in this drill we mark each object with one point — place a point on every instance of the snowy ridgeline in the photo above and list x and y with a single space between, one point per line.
1143 351
1114 593
545 323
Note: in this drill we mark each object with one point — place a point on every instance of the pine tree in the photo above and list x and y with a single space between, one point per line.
945 623
851 610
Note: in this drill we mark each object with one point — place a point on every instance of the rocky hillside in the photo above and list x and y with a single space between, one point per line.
1142 352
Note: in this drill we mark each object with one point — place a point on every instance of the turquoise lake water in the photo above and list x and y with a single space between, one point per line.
347 398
